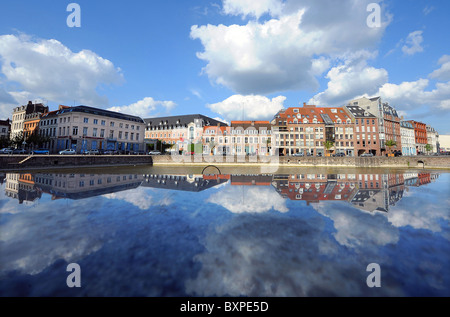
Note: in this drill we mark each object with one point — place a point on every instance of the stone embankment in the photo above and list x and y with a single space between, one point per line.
379 161
17 162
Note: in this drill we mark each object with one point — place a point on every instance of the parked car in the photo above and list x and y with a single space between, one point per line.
6 151
68 152
110 152
20 151
154 153
319 154
91 152
41 151
397 153
367 155
138 153
298 154
339 154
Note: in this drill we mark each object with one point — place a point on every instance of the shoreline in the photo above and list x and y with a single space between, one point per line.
45 162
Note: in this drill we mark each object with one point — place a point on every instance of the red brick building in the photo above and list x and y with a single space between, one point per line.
307 129
420 134
366 131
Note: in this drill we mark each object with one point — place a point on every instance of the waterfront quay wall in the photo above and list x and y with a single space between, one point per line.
17 162
377 161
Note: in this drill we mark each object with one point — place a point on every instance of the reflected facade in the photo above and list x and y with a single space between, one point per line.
168 234
369 192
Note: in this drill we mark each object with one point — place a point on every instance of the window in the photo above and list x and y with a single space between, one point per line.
75 131
102 133
120 135
94 132
86 120
85 131
103 122
111 124
95 121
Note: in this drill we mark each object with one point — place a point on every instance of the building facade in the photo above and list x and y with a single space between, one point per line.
85 128
307 129
388 121
242 138
20 114
432 139
179 131
5 129
366 131
408 139
420 136
251 137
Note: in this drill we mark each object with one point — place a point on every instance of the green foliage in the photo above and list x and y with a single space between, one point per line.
390 143
17 140
329 144
4 142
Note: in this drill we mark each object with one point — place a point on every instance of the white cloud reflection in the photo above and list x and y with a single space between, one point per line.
248 199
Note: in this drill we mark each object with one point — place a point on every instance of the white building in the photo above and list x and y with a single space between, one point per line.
19 115
444 143
85 128
407 138
432 139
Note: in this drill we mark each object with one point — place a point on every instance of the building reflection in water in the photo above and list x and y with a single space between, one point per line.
368 192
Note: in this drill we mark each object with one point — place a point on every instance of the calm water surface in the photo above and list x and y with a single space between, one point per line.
175 232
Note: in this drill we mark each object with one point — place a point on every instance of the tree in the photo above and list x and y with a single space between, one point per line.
212 145
328 145
17 140
4 142
268 143
428 148
390 144
35 139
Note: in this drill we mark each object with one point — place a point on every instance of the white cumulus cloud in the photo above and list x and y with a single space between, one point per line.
49 70
350 79
285 52
252 7
247 199
146 107
251 107
442 73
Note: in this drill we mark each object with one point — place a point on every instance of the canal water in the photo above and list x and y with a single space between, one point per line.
171 232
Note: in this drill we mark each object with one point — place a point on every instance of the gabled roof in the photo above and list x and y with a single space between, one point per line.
182 120
327 115
359 112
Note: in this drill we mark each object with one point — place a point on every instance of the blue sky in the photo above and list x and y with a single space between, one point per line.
228 59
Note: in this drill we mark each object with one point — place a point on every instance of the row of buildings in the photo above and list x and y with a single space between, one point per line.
364 125
371 192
